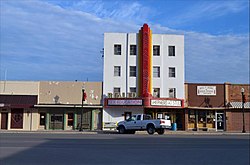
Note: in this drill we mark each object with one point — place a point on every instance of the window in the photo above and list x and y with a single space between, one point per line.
138 117
171 50
133 89
117 90
70 119
117 71
117 49
156 92
133 50
156 50
132 72
156 71
172 93
171 72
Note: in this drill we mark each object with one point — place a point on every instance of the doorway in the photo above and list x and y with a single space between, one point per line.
220 121
4 120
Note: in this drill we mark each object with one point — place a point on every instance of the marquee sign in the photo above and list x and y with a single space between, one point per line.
168 103
124 102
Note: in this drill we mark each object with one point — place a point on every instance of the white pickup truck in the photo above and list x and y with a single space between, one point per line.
142 122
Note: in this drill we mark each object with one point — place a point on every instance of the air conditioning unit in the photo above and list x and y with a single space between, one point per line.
110 95
129 95
133 94
117 95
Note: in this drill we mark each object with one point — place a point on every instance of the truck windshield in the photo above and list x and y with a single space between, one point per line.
132 118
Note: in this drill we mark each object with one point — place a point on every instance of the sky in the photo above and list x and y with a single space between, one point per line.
61 40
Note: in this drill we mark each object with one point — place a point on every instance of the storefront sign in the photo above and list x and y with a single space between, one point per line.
206 90
124 102
170 103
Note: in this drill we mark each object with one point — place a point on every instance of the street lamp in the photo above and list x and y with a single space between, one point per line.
243 101
83 99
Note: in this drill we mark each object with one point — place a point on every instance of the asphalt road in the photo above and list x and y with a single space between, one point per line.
70 149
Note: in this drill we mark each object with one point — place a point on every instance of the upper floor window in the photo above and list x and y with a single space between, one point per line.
156 92
117 90
171 72
132 72
156 71
171 50
172 93
117 49
156 50
117 71
132 90
132 49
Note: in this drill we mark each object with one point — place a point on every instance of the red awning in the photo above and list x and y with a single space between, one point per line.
18 101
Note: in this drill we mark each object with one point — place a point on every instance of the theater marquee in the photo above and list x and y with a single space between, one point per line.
167 103
123 102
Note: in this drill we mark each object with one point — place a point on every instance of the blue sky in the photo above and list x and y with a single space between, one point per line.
61 39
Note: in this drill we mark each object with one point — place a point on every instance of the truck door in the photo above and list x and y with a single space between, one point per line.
138 122
130 123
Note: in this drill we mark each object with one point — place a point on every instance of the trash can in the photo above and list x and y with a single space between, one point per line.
174 126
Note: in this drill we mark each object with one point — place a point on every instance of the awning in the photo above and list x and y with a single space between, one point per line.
238 105
18 101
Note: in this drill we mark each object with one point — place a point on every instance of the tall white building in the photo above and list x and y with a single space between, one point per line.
161 74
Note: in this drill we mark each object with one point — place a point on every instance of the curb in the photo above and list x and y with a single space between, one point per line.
115 132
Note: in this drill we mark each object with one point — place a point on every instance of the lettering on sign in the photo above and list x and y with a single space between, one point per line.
124 102
206 90
169 103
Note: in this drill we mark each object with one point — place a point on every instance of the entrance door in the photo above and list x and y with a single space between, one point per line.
17 118
220 121
4 120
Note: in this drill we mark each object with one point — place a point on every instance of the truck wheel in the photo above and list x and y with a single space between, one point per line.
151 129
160 131
122 130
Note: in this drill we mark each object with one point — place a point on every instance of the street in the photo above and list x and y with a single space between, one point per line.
76 148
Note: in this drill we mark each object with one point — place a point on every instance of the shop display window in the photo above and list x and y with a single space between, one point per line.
211 119
191 116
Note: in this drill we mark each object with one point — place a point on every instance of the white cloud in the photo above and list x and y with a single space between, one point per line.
205 10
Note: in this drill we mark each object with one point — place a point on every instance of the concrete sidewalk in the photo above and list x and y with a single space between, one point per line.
115 132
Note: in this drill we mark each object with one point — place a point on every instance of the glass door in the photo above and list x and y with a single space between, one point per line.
220 121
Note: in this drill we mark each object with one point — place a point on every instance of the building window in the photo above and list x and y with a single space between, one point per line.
132 90
133 50
117 71
117 49
171 50
132 72
172 93
156 92
171 72
156 71
156 50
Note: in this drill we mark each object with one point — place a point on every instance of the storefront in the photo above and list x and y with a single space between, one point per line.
17 112
118 109
205 119
69 117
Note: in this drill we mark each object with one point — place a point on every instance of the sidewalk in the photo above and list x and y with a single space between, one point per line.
168 132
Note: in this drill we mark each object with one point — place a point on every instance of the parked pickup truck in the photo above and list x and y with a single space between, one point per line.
142 122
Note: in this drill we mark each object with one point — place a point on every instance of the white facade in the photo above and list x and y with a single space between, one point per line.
125 60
